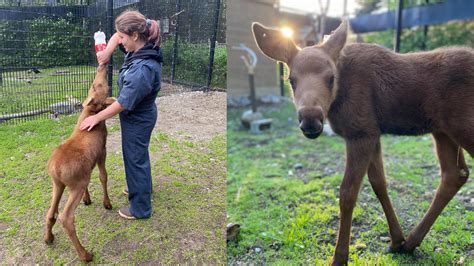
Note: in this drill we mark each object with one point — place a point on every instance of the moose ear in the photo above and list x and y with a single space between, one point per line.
88 101
273 44
336 41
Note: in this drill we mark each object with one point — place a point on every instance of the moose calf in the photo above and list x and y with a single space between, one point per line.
365 90
71 165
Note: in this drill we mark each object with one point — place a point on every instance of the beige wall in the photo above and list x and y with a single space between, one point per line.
240 15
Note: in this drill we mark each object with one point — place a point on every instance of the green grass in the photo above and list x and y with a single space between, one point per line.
23 91
187 224
289 215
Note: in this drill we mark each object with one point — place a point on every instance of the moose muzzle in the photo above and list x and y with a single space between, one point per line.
311 121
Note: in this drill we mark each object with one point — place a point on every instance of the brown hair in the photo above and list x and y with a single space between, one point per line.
133 21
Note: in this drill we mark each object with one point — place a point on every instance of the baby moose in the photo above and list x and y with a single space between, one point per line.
365 91
71 164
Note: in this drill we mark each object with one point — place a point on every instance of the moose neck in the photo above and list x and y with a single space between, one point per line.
86 112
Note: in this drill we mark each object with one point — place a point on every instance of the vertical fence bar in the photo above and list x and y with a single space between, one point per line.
398 24
175 44
281 73
213 42
110 21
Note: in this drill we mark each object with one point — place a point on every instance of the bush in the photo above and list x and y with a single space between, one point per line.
43 42
57 42
193 61
48 42
451 33
219 74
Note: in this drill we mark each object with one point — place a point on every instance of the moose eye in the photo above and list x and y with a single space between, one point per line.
331 82
293 83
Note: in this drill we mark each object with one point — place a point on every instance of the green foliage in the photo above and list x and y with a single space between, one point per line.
39 94
451 33
15 3
44 42
47 41
57 42
219 73
368 6
12 36
193 61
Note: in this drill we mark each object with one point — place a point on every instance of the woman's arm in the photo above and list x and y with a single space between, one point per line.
107 113
104 56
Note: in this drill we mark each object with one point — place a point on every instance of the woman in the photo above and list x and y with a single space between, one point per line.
139 81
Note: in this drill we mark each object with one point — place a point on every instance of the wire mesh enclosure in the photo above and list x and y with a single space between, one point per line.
47 56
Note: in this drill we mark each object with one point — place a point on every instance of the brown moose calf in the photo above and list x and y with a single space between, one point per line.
364 91
72 162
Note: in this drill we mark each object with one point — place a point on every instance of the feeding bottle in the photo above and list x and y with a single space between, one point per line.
100 42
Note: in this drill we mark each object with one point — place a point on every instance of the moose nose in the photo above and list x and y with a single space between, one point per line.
311 121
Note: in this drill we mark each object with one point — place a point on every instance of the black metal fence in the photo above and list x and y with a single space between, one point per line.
47 56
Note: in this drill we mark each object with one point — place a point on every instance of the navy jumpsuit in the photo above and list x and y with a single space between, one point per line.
139 81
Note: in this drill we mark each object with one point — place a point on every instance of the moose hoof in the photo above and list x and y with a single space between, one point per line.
407 248
87 202
339 260
337 263
393 249
107 205
48 239
87 257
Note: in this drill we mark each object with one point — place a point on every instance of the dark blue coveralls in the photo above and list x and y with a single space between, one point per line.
139 81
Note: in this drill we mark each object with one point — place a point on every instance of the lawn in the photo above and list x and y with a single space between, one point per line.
187 224
26 91
283 191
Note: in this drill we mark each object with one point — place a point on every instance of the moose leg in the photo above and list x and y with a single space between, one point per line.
87 197
454 174
379 185
67 220
358 154
58 190
103 179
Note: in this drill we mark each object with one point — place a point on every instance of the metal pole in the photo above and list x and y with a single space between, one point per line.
175 44
253 99
344 12
282 81
110 28
398 23
213 43
425 33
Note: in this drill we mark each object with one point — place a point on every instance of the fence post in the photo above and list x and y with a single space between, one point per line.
110 21
175 44
398 24
213 43
281 73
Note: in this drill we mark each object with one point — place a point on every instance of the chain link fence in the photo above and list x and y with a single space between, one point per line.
47 56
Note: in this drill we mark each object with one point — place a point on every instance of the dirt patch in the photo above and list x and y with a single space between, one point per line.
193 241
191 116
3 226
118 245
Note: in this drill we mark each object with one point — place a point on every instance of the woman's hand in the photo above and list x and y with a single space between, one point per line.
103 57
89 122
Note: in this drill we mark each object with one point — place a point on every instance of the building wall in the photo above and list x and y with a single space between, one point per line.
240 15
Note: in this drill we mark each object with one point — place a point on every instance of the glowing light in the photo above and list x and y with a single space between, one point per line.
287 32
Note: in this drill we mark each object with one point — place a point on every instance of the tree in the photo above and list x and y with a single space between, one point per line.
367 6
